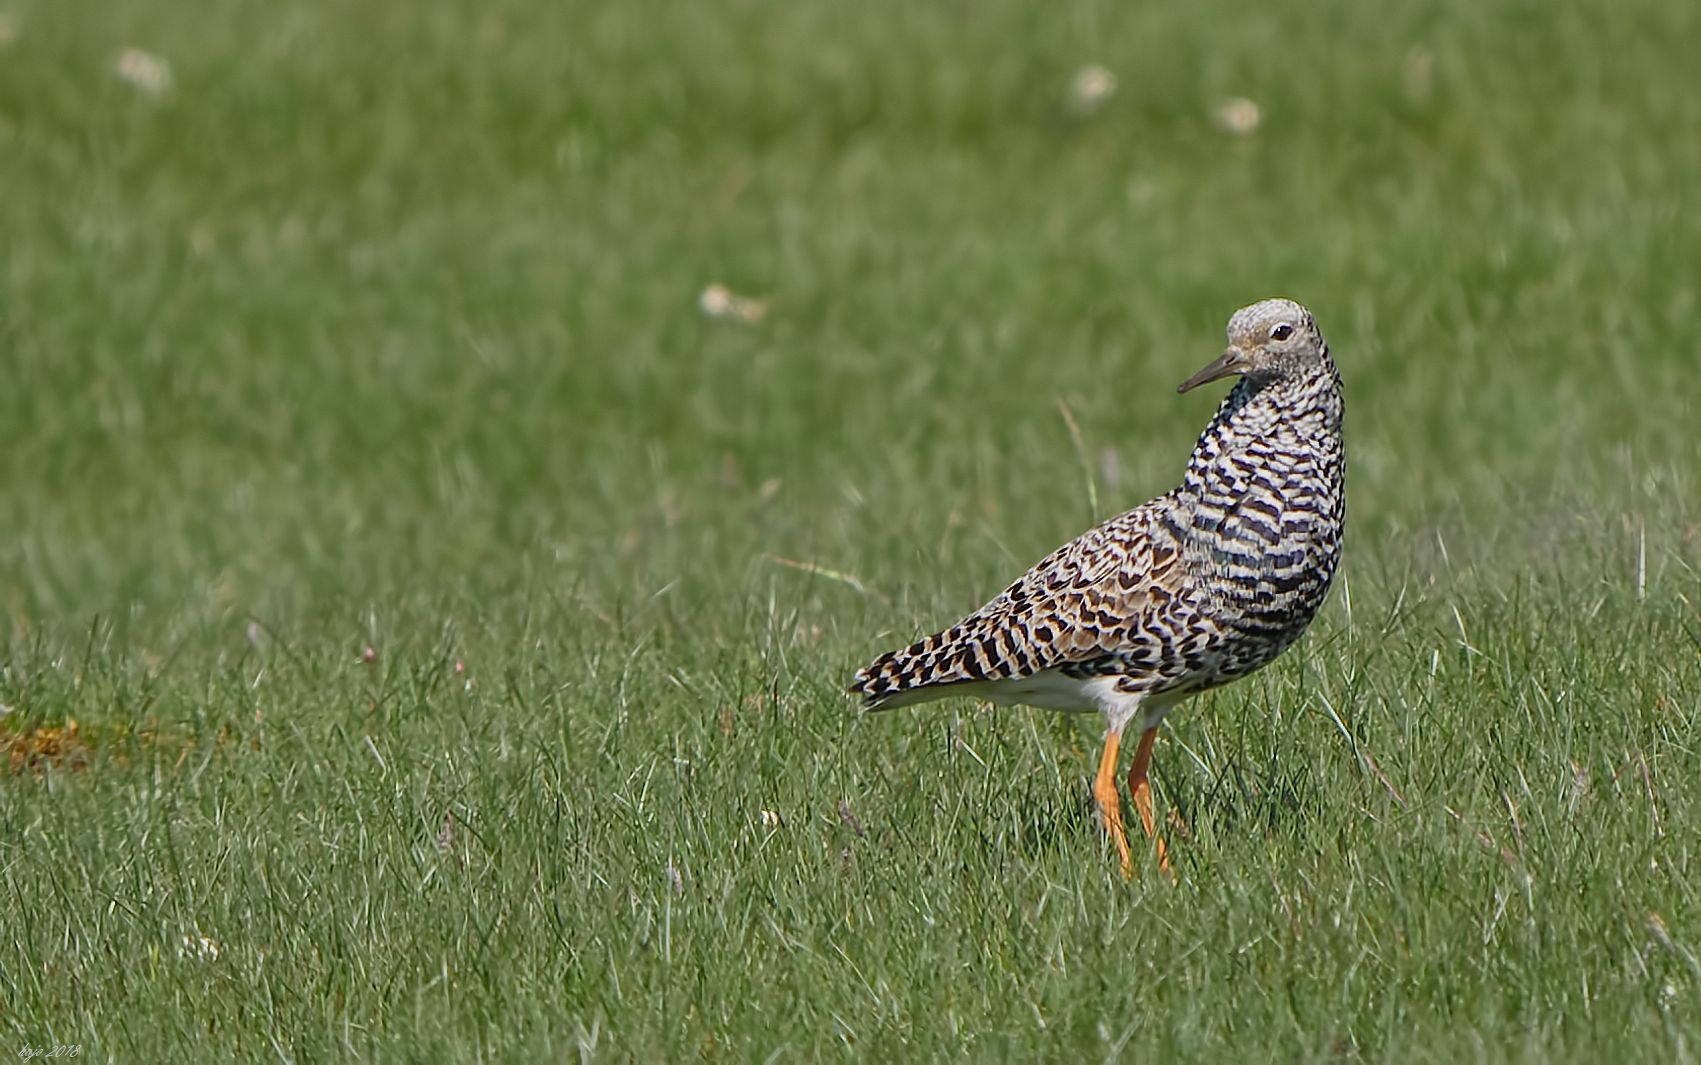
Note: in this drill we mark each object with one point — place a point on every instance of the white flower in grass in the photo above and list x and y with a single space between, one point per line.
718 301
143 71
1090 88
1239 116
197 947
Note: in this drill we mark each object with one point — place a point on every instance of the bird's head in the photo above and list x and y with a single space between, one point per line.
1267 341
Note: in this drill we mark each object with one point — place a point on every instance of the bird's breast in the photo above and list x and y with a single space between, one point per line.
1265 537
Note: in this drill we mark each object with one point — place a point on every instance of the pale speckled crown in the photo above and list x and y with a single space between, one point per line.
1260 317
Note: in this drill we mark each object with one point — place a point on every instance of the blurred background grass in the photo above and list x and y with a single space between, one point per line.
378 325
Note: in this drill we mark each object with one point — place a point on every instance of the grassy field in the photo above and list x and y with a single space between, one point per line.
403 654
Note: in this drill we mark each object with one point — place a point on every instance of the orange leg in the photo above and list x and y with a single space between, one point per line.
1140 789
1110 804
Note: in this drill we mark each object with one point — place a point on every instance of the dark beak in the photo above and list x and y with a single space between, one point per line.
1231 361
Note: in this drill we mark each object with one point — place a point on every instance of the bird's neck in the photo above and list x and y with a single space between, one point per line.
1311 396
1302 406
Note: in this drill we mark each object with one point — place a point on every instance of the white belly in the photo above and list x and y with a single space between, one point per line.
1054 690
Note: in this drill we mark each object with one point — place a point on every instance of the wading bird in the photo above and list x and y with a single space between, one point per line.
1202 585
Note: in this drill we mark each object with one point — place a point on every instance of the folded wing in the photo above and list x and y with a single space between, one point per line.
1088 607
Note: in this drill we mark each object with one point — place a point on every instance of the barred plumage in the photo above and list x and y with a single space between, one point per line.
1202 585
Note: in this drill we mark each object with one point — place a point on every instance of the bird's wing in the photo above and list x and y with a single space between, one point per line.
1089 600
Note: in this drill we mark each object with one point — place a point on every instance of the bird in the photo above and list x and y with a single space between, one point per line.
1201 586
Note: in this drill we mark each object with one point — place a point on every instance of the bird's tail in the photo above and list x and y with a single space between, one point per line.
931 668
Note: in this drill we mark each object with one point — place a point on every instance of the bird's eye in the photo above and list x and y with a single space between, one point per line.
1281 332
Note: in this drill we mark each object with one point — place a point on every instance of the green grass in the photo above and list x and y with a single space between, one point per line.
378 328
